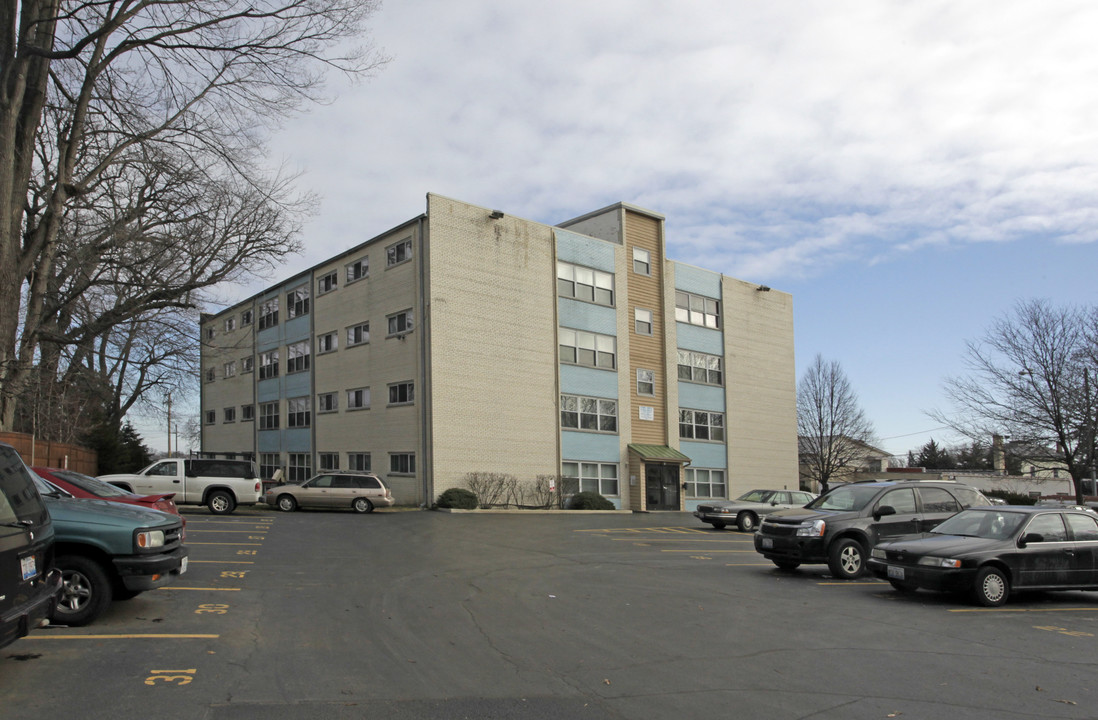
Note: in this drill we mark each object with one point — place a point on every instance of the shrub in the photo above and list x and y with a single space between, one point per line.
1012 498
458 499
590 501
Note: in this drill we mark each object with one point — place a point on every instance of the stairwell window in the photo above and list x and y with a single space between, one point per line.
297 302
297 356
268 313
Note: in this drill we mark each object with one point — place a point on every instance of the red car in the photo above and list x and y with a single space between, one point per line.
82 486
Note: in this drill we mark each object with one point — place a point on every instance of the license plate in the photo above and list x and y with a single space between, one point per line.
183 566
28 567
766 542
896 573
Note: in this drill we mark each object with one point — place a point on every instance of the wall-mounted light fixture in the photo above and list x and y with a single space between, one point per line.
496 214
762 288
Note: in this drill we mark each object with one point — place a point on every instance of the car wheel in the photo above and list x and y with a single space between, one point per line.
220 502
901 586
786 564
992 587
85 591
747 521
286 503
846 558
362 505
718 524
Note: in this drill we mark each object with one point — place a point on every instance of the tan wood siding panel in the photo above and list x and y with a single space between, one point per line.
646 352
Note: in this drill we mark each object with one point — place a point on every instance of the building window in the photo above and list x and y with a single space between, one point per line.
298 413
269 464
229 415
646 382
697 310
358 334
402 393
703 483
300 467
358 399
326 343
210 333
402 463
297 302
588 413
327 402
401 322
247 413
358 461
642 321
398 253
297 356
268 364
700 368
358 269
247 364
701 425
327 461
230 369
581 283
211 417
211 375
327 283
268 416
642 262
268 313
578 347
592 477
246 318
230 324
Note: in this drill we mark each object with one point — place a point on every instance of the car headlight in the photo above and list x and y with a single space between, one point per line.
932 561
150 539
815 528
878 553
724 510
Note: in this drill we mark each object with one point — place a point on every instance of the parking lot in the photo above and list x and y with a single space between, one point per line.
400 614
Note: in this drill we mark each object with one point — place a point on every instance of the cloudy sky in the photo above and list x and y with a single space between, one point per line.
907 170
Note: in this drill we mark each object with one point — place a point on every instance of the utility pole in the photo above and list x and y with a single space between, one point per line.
169 423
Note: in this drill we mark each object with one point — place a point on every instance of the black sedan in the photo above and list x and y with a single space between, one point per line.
990 552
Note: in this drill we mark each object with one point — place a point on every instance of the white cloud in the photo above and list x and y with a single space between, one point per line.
778 138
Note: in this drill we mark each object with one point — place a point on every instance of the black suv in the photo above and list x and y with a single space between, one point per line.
841 527
28 583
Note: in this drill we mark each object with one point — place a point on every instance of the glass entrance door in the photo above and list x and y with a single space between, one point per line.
662 486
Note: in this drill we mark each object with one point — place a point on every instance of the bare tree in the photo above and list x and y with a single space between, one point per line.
1032 378
121 126
834 433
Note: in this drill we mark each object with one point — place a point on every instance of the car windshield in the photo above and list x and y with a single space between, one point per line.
988 524
90 484
845 498
757 496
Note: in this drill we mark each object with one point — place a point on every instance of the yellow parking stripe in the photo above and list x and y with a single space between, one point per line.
40 636
204 589
1022 610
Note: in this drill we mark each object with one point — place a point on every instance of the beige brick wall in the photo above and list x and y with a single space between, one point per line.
492 316
761 387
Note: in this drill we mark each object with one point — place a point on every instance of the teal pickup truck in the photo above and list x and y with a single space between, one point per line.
108 551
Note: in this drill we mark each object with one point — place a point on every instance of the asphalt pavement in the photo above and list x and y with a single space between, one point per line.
410 614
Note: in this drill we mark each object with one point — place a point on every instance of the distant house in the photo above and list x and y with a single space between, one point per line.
865 462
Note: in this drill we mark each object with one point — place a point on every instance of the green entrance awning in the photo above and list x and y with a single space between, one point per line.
659 453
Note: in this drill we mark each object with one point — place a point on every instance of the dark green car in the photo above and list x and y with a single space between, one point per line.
107 551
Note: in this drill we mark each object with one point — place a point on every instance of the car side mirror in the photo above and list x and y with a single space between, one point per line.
1031 538
882 510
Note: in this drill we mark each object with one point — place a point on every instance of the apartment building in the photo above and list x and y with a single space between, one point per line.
467 340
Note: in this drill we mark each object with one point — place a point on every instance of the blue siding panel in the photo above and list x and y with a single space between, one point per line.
298 329
583 250
299 440
701 397
705 455
580 315
298 384
267 391
270 441
695 337
698 281
576 380
590 447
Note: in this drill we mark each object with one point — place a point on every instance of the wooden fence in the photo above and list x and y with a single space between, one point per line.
43 453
